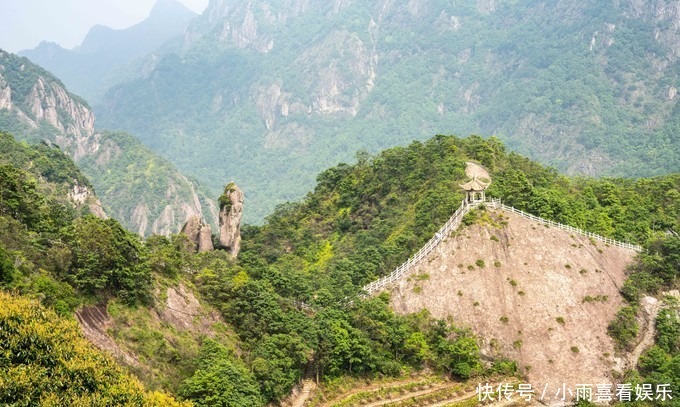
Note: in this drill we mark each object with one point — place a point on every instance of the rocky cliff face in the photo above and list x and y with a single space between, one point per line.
199 234
83 196
146 193
231 211
586 87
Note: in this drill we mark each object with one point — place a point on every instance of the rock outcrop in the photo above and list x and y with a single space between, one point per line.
199 233
82 195
231 211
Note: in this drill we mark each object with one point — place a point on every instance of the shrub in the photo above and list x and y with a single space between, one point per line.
560 320
480 263
624 328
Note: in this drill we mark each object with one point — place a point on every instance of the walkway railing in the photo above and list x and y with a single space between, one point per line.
405 267
496 203
454 222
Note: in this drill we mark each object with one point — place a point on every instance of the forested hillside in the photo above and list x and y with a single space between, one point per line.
141 189
291 297
292 87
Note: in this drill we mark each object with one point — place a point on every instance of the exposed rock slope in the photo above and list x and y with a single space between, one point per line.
144 191
158 342
534 294
199 234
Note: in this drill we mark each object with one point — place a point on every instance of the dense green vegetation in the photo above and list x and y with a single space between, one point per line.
292 296
60 256
363 220
45 360
585 86
656 270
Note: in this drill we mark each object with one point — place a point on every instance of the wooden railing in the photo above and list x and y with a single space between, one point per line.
454 222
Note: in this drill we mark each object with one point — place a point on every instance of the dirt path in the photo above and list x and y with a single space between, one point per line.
367 388
307 386
651 308
411 395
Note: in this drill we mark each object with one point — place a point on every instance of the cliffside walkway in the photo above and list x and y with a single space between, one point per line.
453 224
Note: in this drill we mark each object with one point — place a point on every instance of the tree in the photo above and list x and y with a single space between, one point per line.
108 260
221 380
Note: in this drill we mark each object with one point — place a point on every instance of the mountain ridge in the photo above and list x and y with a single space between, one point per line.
105 50
297 86
143 190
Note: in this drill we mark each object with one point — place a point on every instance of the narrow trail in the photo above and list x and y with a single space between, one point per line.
307 386
651 307
411 395
365 388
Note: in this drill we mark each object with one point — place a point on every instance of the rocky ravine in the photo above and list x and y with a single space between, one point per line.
534 294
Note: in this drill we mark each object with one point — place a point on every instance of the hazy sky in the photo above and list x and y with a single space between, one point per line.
24 23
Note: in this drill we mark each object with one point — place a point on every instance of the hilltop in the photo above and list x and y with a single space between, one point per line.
541 296
289 308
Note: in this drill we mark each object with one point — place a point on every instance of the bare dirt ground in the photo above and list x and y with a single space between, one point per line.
184 311
472 170
299 395
541 296
94 321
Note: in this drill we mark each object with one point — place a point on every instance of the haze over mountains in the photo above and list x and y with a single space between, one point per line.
89 68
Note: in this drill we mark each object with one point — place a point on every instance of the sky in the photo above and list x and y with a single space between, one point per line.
25 23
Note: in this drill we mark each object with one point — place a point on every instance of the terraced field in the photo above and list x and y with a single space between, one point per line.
423 391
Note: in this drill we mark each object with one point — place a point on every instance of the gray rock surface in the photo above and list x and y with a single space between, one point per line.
231 211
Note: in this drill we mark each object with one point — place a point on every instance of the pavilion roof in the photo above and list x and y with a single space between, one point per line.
475 184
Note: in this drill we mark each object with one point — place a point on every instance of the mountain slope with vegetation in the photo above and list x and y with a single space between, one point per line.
46 361
292 87
143 190
289 306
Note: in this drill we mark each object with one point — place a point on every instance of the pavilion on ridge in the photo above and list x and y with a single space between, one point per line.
475 190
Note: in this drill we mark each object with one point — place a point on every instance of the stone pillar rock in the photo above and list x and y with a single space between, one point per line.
205 243
199 233
231 211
